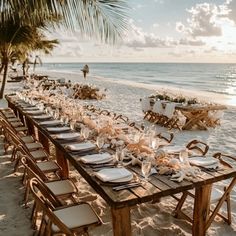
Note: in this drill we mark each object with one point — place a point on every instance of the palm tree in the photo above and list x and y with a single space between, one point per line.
18 39
105 19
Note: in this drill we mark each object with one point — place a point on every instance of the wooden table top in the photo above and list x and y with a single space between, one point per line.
157 187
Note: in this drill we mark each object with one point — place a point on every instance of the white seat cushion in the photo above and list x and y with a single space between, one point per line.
32 146
38 154
61 187
76 216
47 166
27 139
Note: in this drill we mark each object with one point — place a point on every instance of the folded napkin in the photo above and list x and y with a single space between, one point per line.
203 161
30 109
96 158
50 123
81 146
66 136
173 149
58 129
114 174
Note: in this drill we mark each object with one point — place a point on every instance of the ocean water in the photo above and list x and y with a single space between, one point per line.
217 79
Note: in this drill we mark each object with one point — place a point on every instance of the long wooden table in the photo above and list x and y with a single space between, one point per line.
121 202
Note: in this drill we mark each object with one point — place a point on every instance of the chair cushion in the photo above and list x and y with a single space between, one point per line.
22 128
13 119
61 187
39 154
27 139
48 166
76 216
16 124
32 146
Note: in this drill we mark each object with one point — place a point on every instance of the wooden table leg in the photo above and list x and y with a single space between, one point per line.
30 126
63 163
44 140
201 209
121 221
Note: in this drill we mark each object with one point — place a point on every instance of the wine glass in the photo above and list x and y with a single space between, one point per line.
183 157
146 168
73 124
100 141
85 133
119 156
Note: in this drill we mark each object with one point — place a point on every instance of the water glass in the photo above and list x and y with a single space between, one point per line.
146 168
73 124
183 157
119 156
100 141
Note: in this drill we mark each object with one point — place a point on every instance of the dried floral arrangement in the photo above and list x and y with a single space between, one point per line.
179 98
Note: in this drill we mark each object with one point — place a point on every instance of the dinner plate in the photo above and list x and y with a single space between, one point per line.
43 117
173 149
67 136
114 175
58 129
203 161
36 112
98 158
122 180
50 123
87 146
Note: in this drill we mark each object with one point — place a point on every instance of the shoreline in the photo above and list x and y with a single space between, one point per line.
203 96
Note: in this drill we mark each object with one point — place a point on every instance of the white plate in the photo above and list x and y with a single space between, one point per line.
81 146
114 175
98 158
37 112
43 117
173 149
50 123
58 129
67 136
204 161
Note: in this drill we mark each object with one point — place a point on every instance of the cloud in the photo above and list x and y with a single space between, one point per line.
231 8
137 38
191 42
203 21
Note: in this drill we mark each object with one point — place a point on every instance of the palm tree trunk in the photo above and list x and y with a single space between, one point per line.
1 68
5 70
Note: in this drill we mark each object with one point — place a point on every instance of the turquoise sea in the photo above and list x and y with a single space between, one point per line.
213 78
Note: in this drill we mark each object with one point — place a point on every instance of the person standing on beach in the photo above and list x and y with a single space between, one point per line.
85 70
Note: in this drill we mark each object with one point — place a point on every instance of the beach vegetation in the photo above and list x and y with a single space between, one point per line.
106 20
17 40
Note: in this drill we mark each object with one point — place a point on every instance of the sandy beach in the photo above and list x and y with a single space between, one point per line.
147 219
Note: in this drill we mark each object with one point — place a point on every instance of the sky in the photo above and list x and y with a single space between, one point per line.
161 31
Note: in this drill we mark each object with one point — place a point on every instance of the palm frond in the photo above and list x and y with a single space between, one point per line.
106 19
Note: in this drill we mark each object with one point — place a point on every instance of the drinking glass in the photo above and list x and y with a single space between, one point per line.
100 141
73 124
85 132
183 157
119 156
146 168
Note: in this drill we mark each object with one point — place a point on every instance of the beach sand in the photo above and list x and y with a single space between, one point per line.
147 219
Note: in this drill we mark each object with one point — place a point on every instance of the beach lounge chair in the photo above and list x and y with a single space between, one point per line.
58 219
218 197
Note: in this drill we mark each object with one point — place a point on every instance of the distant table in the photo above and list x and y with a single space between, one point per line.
158 186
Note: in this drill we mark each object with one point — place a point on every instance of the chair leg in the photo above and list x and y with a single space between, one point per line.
180 204
228 202
27 192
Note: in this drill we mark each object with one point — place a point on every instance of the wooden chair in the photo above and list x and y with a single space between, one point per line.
217 198
62 188
197 147
57 219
